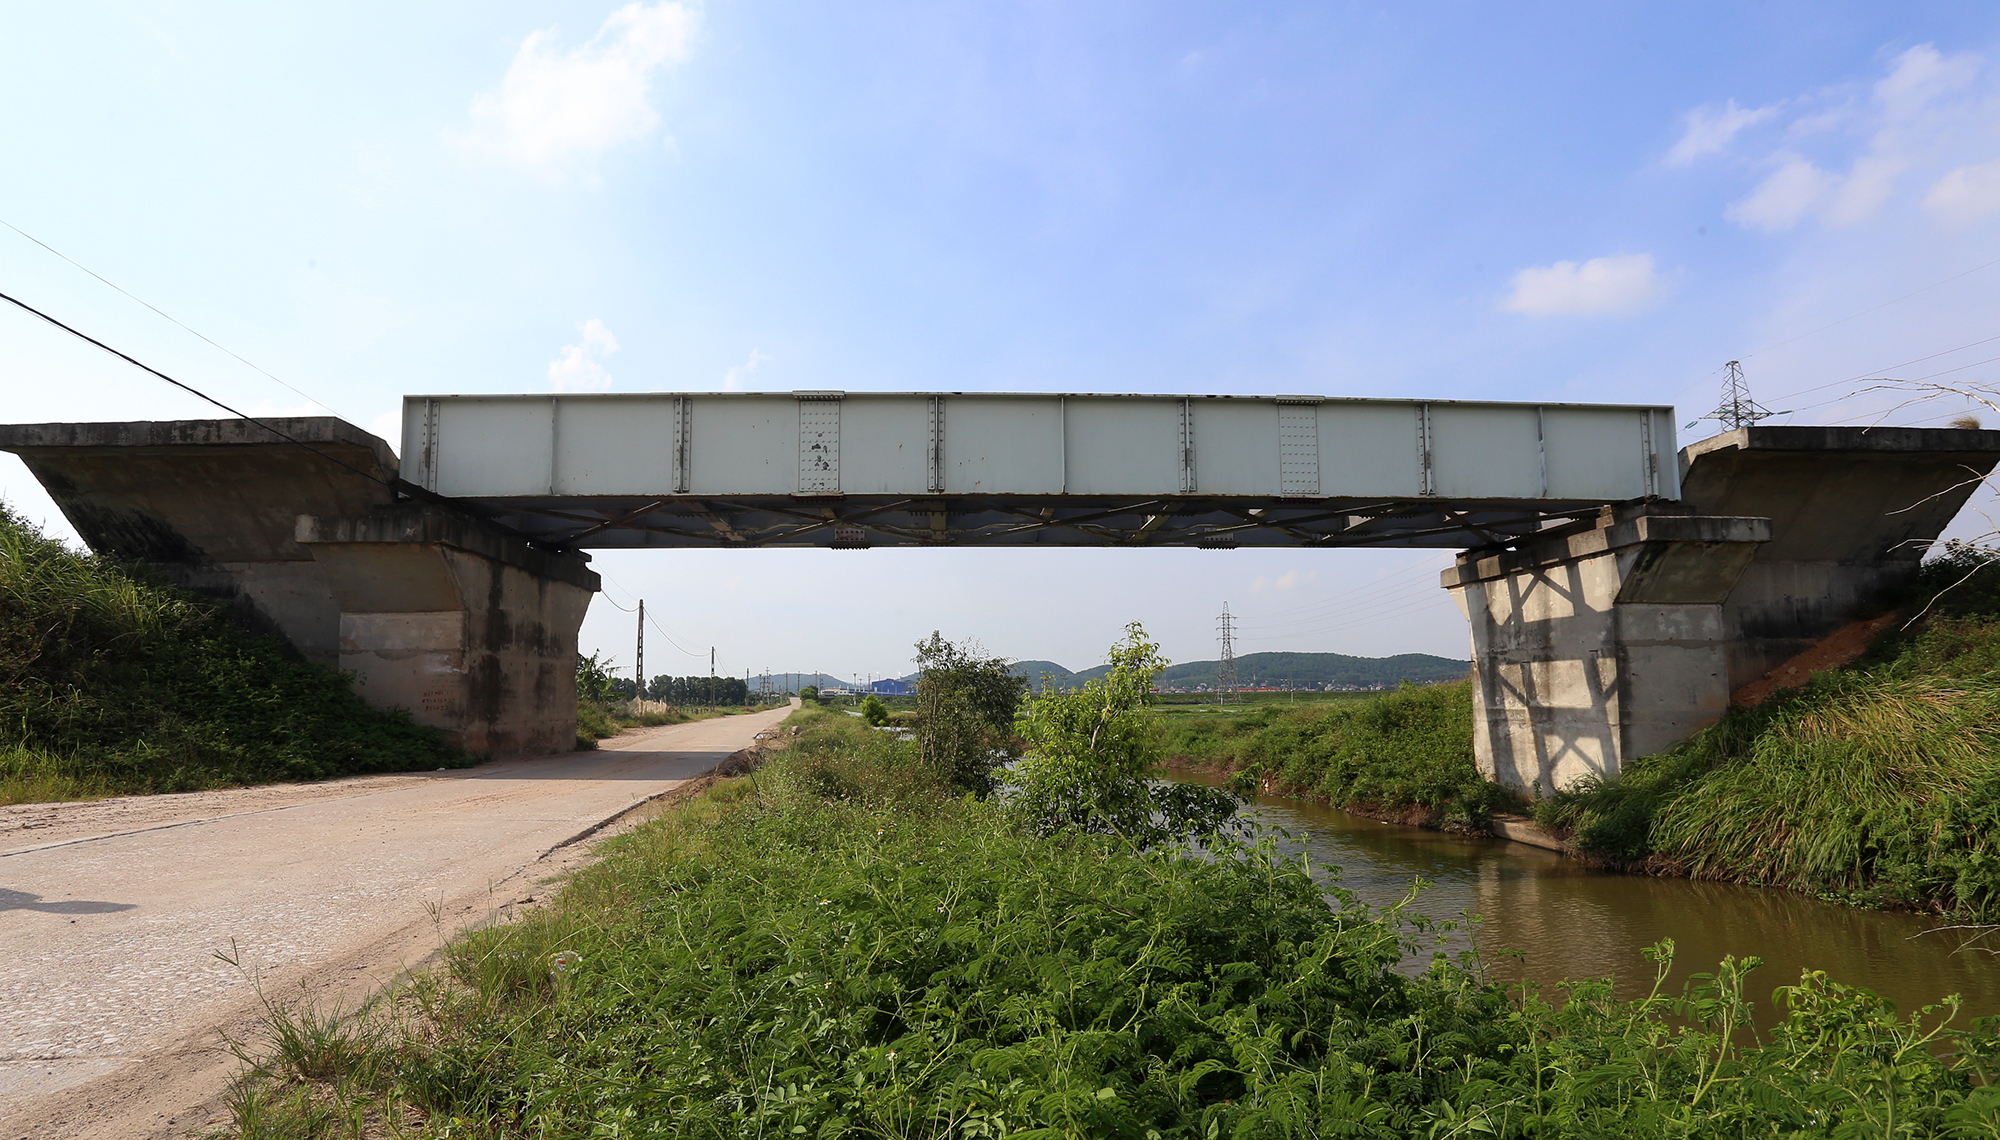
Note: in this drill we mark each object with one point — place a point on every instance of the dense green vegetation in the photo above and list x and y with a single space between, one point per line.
1878 783
844 947
1406 754
110 685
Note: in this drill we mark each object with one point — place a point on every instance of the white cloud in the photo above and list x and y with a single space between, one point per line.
556 109
741 372
580 368
1789 193
1965 194
1905 118
1920 76
1601 285
1867 186
1709 129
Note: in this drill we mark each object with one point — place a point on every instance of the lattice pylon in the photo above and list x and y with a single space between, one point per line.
1737 408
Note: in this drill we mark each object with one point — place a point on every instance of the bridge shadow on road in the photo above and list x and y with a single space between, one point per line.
22 900
606 764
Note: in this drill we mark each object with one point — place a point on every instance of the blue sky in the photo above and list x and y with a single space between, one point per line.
1526 202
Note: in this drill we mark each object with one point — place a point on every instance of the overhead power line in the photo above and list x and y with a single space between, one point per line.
199 394
1852 316
155 308
650 619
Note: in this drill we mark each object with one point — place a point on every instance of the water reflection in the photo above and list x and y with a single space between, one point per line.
1569 922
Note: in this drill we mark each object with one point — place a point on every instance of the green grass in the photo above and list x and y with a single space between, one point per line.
112 685
838 947
1877 784
1406 753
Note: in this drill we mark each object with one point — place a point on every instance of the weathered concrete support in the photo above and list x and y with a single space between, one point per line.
1852 512
471 630
1594 647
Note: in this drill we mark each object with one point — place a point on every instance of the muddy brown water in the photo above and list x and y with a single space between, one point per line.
1567 921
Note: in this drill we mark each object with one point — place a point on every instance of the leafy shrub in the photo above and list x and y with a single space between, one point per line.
1094 759
965 712
874 711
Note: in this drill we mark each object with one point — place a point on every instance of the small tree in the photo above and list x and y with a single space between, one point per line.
966 703
809 693
593 679
1094 754
874 711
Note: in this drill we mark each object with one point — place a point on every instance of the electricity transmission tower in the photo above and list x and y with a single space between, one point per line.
1225 673
1737 408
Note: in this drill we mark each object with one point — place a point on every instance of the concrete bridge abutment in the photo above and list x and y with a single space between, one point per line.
470 629
1594 646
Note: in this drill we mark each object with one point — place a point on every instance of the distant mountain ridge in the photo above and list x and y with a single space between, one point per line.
1310 669
1256 669
1306 670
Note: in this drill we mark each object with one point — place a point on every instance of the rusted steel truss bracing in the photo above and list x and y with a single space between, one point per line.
971 520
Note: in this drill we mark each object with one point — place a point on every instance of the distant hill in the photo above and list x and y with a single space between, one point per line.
1306 670
1033 671
1310 669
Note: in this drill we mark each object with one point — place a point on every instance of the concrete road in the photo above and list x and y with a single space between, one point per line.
116 916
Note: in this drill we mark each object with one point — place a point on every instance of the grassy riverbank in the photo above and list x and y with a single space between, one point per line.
840 946
1877 783
110 685
1404 755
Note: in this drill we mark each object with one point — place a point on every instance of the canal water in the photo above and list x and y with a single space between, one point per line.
1570 922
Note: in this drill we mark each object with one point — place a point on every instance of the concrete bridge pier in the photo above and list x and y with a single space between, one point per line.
472 632
1600 644
469 628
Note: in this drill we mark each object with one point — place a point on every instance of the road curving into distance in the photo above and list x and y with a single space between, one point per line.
120 919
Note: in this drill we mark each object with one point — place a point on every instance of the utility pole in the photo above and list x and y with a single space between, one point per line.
711 676
639 655
1225 673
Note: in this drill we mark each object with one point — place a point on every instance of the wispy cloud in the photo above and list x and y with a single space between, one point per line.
1966 194
556 110
580 368
1708 130
1621 284
735 376
1793 190
1843 152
